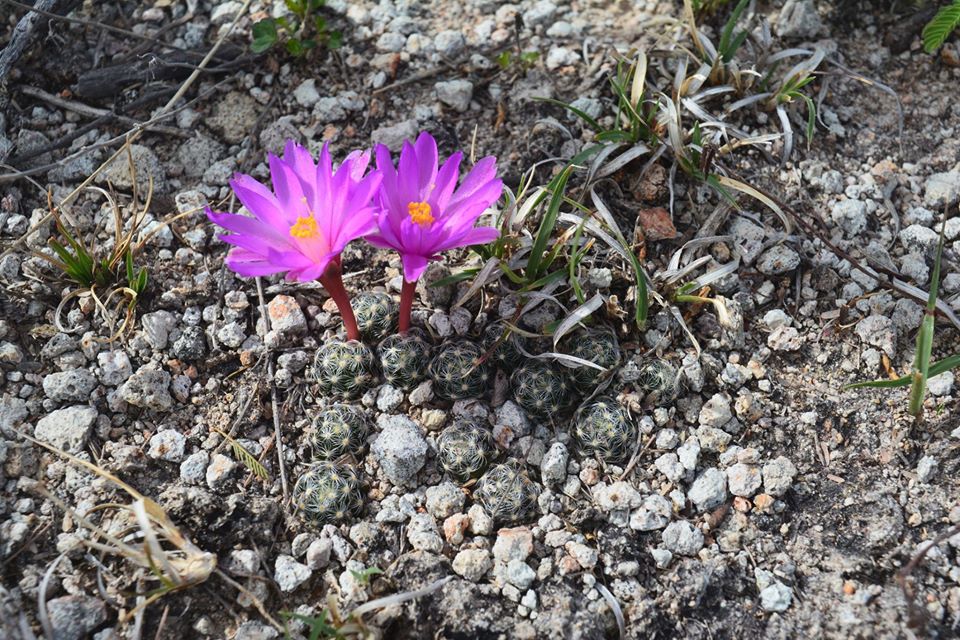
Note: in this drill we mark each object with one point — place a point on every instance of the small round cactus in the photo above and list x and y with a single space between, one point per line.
328 492
602 428
659 380
506 493
457 372
464 449
404 360
598 347
338 430
541 389
376 314
344 369
506 355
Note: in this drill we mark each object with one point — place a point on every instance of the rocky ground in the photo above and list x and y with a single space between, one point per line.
763 500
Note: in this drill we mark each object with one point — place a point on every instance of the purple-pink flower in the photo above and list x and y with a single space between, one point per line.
304 223
423 212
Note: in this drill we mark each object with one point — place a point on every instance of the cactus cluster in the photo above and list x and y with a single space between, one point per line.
503 345
598 347
542 389
457 371
376 314
603 429
328 492
338 430
344 369
506 493
465 449
659 380
404 359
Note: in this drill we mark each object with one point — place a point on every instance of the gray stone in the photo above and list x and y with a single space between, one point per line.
682 538
655 513
306 93
389 398
941 385
234 116
146 165
716 411
879 331
784 338
73 385
225 12
749 237
669 465
393 136
667 439
115 367
444 500
157 327
455 93
850 216
689 453
778 476
661 557
254 630
74 617
777 260
590 106
400 448
194 468
519 574
775 596
743 479
220 471
553 467
167 445
541 12
391 42
197 153
713 440
617 496
290 574
286 316
942 189
927 469
709 490
67 429
919 239
147 388
191 345
449 43
423 534
318 553
799 19
13 411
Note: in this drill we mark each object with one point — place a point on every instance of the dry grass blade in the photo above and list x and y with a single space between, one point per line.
244 457
615 607
743 187
577 316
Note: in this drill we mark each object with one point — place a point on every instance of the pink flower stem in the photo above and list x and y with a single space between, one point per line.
406 304
333 283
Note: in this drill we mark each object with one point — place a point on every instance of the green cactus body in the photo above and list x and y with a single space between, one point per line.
507 354
344 369
338 430
659 381
328 492
603 429
465 449
457 372
598 347
541 389
376 314
506 493
404 360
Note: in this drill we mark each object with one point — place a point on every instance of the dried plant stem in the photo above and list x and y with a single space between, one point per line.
407 293
332 281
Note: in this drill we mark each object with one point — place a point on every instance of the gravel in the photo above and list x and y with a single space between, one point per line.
444 500
68 429
709 490
400 449
290 574
553 467
682 538
167 445
472 564
147 388
778 476
74 385
72 617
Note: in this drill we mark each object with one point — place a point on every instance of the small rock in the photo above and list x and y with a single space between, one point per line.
553 467
167 445
709 490
286 316
683 538
481 523
444 500
713 440
219 472
67 429
318 553
777 260
799 19
389 398
661 557
513 544
587 557
689 453
306 93
393 136
942 189
449 44
942 384
399 448
74 617
617 496
472 564
927 469
669 465
454 527
290 574
455 93
73 385
194 468
519 574
147 388
157 327
850 216
784 338
423 534
743 479
778 476
879 331
716 412
654 514
115 367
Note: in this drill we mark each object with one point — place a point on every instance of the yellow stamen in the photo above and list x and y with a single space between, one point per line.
420 213
305 227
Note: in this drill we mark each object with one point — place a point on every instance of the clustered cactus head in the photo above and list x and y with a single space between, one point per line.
542 389
603 429
506 493
598 347
505 345
328 492
457 372
465 449
659 380
376 315
338 430
344 369
404 359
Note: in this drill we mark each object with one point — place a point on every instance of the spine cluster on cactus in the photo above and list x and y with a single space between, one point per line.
328 492
458 373
506 493
376 315
503 346
344 369
465 449
659 381
541 389
404 359
603 429
338 430
598 347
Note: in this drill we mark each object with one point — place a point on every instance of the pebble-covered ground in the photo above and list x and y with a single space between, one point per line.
758 499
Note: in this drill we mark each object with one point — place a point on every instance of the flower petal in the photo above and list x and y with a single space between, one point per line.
413 266
446 181
426 148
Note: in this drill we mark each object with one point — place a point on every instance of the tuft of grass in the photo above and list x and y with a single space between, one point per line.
300 32
936 32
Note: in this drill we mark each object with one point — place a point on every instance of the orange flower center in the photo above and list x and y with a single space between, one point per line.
420 213
305 227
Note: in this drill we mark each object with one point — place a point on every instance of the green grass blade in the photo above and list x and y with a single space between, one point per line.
592 123
921 367
547 225
726 38
941 26
948 363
